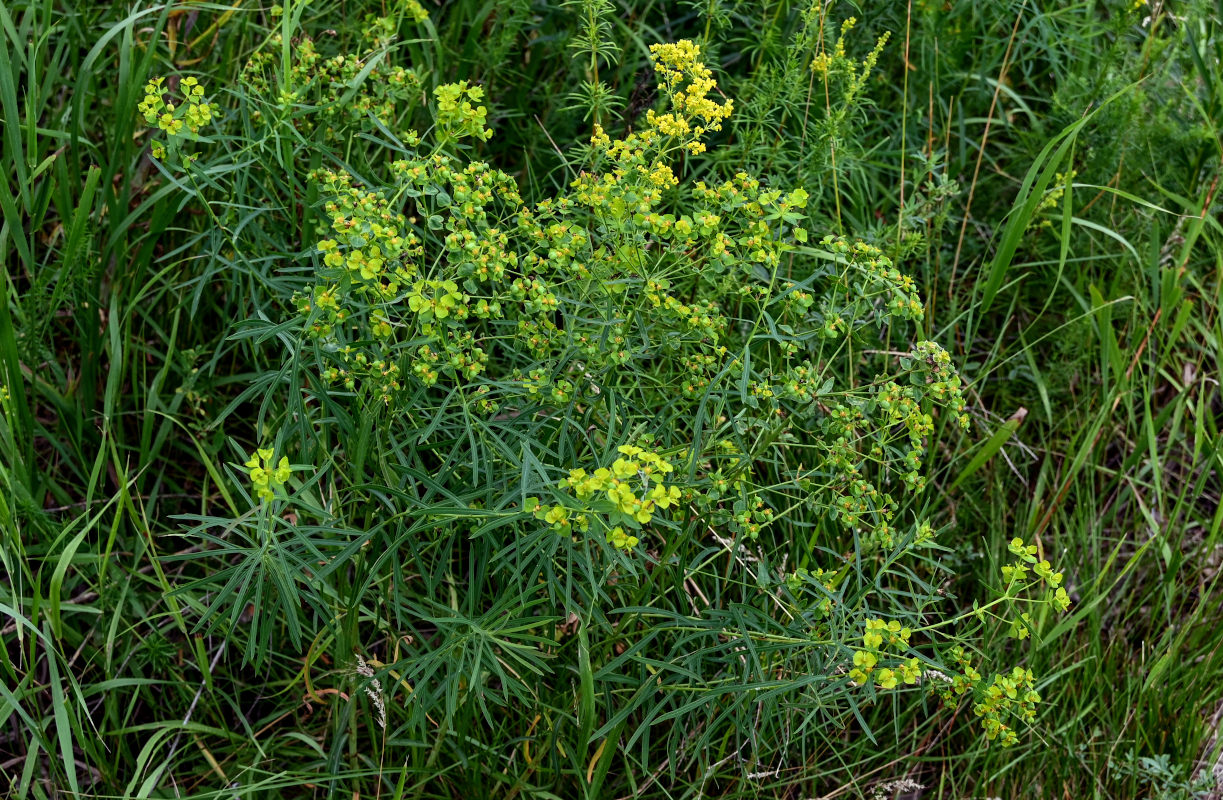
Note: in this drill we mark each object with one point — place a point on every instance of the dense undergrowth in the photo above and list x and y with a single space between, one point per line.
611 399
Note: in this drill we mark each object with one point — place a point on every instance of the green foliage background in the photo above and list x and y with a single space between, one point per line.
1048 172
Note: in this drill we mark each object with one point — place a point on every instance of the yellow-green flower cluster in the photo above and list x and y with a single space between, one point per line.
414 11
881 434
339 91
265 478
878 636
873 275
998 702
703 318
374 285
634 185
193 113
1008 695
634 483
1017 572
459 114
826 581
370 258
440 299
1011 694
857 501
624 497
895 421
372 250
561 519
750 517
942 382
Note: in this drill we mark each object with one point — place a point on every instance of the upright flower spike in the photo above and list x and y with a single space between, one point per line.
685 79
